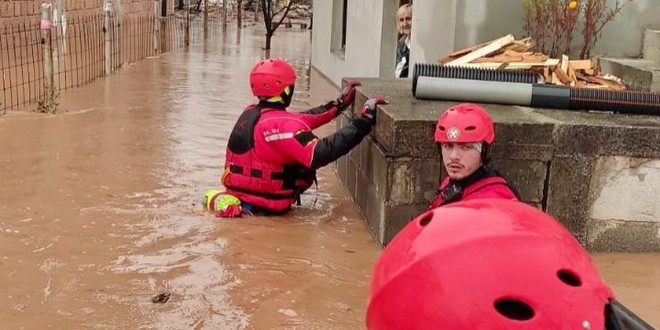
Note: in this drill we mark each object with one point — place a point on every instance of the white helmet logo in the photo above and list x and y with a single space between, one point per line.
453 133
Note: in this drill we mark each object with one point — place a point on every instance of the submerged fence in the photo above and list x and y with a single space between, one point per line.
36 64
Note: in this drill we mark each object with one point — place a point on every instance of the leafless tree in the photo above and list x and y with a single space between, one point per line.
274 13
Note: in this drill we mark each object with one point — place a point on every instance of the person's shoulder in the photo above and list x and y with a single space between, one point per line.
283 120
490 187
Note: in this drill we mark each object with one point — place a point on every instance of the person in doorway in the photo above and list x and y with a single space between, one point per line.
272 154
404 25
490 264
464 133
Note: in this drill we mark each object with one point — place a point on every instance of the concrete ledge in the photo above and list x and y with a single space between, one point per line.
557 159
639 74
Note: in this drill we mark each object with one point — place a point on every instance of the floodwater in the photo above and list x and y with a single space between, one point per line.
100 210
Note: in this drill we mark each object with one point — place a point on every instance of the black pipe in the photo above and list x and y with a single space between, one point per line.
617 101
538 95
457 72
618 317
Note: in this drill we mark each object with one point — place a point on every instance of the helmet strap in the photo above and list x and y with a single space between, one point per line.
287 95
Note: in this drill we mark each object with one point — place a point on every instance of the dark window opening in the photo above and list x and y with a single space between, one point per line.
343 25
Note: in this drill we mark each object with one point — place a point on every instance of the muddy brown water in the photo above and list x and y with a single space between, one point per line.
100 210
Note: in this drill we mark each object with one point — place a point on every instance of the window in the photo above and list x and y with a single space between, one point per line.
338 34
343 25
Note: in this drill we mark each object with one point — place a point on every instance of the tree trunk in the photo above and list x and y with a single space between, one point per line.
268 37
224 12
239 12
269 12
206 19
268 21
256 11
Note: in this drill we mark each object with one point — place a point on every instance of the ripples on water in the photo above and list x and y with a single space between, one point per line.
202 95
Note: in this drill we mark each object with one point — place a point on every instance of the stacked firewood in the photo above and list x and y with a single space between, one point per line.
511 54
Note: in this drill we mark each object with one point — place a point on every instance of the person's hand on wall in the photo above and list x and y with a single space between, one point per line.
368 110
347 95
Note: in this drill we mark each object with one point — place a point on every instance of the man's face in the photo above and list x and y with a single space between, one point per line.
404 20
460 159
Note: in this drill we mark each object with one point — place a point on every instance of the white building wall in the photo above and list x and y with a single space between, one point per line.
439 28
370 39
433 30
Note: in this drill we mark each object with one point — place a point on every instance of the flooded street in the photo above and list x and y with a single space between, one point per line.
100 210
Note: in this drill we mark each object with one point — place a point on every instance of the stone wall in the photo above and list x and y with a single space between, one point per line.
577 166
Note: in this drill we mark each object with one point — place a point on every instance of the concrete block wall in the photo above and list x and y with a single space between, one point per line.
642 73
575 165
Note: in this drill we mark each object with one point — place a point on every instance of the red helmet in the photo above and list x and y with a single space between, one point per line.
465 122
270 77
486 264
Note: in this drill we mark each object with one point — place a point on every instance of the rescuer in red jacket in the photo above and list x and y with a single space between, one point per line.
464 134
490 264
272 154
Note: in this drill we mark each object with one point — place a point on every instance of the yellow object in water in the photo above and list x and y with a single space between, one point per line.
217 200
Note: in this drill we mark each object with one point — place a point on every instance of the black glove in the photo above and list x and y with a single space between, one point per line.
368 110
347 95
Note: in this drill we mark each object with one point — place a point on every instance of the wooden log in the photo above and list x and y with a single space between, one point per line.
600 81
562 76
571 75
459 53
499 59
512 65
580 64
564 63
483 51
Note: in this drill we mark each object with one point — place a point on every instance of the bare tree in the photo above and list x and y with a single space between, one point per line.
274 13
239 13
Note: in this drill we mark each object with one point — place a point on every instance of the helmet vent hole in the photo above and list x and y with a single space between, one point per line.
426 219
514 309
569 277
470 128
442 128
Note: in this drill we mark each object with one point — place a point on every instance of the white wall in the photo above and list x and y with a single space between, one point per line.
439 28
629 26
366 34
372 36
433 30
